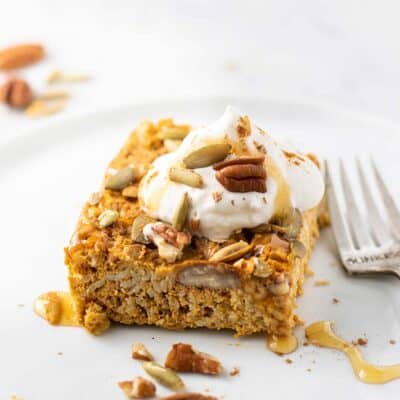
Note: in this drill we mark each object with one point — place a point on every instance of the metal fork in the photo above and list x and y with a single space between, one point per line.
367 244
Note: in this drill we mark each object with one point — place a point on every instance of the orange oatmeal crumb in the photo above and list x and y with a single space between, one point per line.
360 342
322 282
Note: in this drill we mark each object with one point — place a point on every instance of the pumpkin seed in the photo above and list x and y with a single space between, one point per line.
207 155
298 248
181 212
137 228
232 252
130 191
186 177
172 144
95 198
261 268
165 376
209 276
107 218
173 132
292 222
120 179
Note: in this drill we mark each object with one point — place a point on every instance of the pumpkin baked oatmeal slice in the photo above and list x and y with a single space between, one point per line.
212 227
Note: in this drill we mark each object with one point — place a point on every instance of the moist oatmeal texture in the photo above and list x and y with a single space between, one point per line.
114 278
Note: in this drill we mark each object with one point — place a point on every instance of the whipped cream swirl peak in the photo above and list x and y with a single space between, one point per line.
291 180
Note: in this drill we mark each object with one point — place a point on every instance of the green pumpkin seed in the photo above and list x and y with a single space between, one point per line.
120 179
261 269
207 155
292 222
172 144
186 177
232 252
137 228
165 376
107 218
181 212
298 248
173 132
95 198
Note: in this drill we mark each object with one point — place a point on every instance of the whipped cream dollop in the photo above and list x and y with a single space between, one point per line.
292 180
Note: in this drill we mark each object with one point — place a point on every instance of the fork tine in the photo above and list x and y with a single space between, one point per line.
377 225
340 228
388 201
360 230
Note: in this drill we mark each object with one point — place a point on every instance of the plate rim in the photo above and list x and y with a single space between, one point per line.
78 116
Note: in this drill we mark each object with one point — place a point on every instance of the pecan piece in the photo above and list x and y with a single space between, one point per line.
140 352
138 388
171 235
184 358
244 171
169 241
188 396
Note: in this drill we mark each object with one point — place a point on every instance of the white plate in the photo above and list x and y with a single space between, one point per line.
46 175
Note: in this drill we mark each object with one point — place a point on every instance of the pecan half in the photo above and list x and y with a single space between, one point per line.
239 160
16 93
242 185
184 358
244 174
244 171
208 276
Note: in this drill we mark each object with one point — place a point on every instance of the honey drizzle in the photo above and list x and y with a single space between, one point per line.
282 344
57 308
282 198
321 334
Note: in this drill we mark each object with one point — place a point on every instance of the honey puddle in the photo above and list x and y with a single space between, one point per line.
321 334
282 344
56 308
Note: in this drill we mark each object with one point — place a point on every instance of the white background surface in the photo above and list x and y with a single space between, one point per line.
345 52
